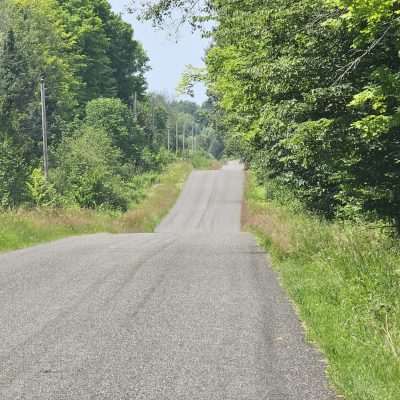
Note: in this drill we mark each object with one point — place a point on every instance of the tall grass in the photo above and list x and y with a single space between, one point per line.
202 160
345 279
21 228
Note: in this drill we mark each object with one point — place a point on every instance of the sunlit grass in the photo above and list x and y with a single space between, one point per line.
345 280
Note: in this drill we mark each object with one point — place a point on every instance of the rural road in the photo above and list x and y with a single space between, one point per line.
191 312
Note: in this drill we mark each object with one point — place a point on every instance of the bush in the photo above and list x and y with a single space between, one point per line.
155 161
202 160
139 185
88 171
42 192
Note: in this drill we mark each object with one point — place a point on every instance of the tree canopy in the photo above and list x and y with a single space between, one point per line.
103 125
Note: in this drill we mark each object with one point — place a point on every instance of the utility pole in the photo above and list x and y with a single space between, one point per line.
168 138
176 138
152 121
135 105
192 137
44 128
183 139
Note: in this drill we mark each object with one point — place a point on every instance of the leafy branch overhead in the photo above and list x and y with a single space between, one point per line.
190 77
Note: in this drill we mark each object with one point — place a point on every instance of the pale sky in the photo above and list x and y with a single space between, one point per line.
168 55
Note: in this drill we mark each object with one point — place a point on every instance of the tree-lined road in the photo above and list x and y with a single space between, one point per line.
190 312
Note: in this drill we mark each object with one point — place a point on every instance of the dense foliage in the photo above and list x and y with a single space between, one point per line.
104 128
83 51
309 94
312 99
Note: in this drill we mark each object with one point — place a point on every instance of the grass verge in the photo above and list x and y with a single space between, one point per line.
204 161
22 228
345 280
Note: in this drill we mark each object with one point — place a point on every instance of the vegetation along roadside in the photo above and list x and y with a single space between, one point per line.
21 228
344 278
84 146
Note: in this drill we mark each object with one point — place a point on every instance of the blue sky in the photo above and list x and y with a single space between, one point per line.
168 53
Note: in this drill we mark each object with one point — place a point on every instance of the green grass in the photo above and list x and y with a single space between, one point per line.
345 280
22 228
204 161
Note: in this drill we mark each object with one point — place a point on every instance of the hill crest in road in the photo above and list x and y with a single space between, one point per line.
211 201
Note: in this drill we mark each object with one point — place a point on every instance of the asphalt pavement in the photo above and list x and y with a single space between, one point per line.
191 312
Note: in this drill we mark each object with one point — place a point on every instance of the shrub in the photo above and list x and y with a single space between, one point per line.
155 161
88 171
41 191
138 186
202 160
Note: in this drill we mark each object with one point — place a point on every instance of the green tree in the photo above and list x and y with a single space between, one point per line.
112 63
114 117
32 45
128 60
